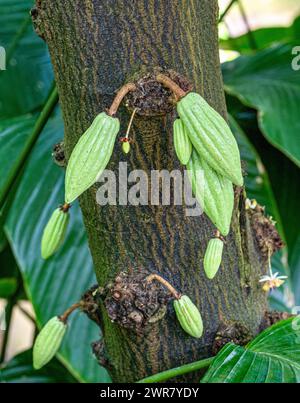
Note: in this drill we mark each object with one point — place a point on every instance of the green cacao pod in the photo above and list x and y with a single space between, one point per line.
211 136
126 147
48 342
54 232
213 192
213 257
90 155
188 316
182 143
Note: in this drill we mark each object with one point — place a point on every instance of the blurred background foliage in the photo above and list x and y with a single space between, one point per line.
263 98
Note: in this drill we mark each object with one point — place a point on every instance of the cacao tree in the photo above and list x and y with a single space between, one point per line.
96 47
165 291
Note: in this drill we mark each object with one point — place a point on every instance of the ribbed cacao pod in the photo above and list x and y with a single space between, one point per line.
182 143
213 257
91 155
213 192
188 316
211 136
54 232
48 342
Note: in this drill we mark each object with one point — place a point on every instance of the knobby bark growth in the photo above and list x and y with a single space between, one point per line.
97 46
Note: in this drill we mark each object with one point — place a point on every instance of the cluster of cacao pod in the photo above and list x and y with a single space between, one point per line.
204 143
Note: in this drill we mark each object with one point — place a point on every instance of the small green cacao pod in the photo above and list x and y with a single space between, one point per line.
55 231
182 143
213 257
91 155
188 316
211 136
213 192
48 342
126 147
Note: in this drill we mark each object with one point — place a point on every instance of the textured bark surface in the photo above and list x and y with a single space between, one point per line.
95 45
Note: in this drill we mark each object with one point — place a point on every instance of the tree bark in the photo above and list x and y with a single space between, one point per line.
96 46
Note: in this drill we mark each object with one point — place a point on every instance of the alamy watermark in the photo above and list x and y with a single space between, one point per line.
137 188
2 58
296 59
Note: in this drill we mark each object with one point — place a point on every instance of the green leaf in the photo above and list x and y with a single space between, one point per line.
10 284
3 240
294 261
55 284
20 370
284 177
272 357
267 82
28 75
285 183
257 181
8 287
263 38
277 301
258 187
13 135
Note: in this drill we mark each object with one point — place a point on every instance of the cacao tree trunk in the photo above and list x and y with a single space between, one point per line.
96 46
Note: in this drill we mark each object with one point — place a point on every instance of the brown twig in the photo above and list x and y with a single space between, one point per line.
164 282
119 97
167 82
67 313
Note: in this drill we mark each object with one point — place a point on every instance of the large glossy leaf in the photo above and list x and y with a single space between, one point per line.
284 178
272 357
294 260
55 284
28 75
258 187
13 134
285 183
257 181
267 82
20 370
